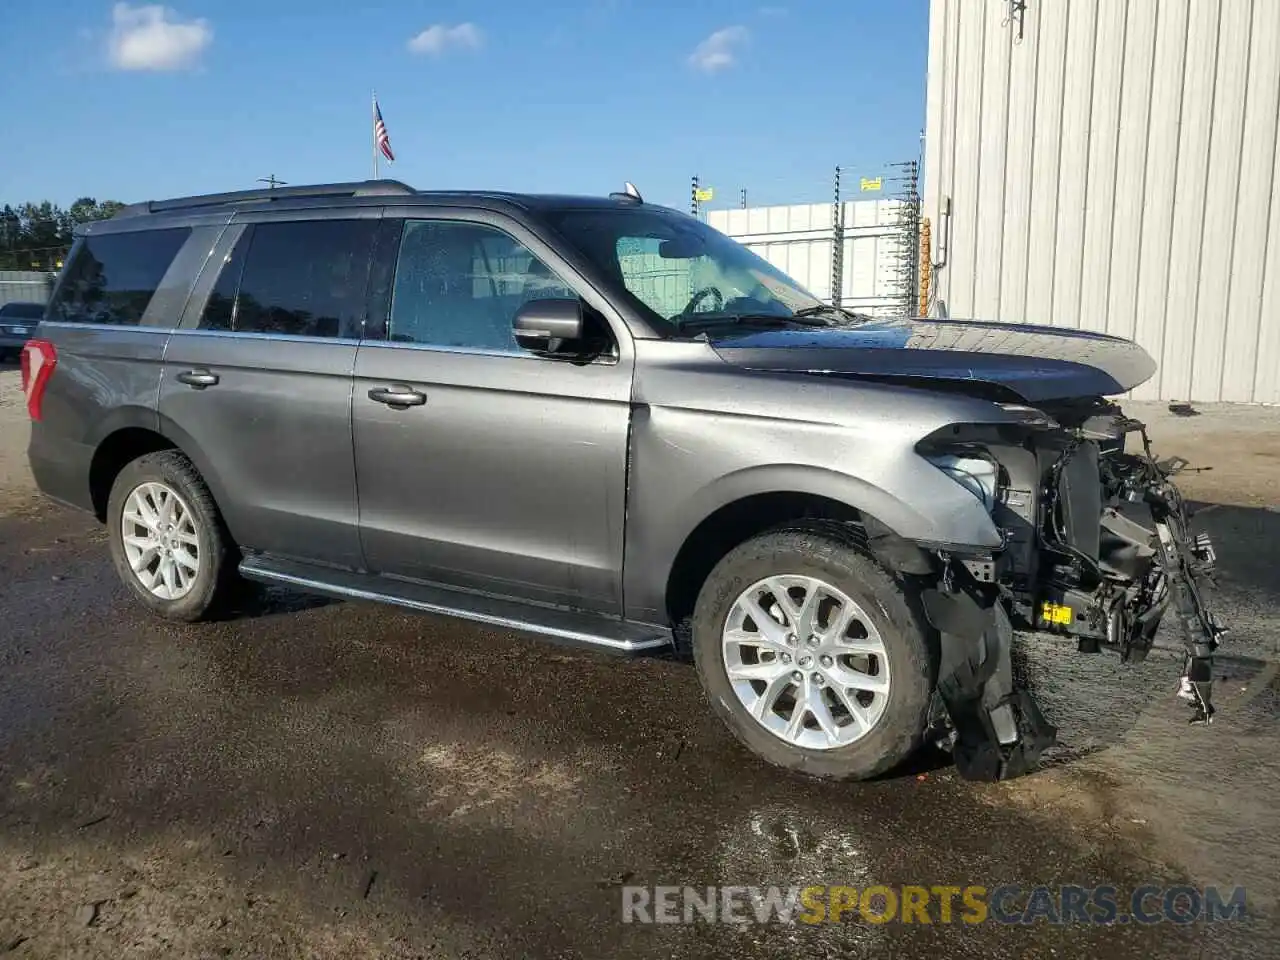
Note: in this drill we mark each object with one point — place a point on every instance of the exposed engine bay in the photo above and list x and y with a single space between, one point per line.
1096 548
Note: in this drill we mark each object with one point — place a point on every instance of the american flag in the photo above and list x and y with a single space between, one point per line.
380 134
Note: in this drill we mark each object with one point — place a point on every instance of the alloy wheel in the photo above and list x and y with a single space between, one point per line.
806 662
161 540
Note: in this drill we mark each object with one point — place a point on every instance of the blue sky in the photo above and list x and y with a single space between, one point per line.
131 101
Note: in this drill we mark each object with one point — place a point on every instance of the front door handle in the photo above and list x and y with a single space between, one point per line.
398 396
198 378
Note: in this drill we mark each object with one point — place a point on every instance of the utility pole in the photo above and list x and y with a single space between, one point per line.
837 245
272 182
693 197
744 198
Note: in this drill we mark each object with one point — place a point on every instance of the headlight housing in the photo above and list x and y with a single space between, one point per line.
978 474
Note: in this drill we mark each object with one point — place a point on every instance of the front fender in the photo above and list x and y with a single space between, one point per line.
687 465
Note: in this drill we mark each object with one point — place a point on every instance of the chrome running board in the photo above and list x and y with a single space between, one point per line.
570 627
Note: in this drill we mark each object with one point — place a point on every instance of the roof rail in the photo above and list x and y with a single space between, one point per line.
363 188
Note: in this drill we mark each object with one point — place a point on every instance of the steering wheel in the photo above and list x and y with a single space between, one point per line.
698 297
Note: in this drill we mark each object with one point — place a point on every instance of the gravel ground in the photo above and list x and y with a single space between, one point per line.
344 780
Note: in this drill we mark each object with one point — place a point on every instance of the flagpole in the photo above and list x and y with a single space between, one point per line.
373 127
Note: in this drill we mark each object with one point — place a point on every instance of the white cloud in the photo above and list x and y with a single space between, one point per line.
719 50
439 37
152 37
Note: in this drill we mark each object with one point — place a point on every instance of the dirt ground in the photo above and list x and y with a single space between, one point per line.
317 779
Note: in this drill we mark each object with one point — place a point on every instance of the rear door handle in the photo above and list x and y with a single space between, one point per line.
398 396
198 378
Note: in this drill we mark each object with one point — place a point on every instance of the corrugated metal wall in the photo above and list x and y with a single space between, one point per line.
1115 169
797 239
24 285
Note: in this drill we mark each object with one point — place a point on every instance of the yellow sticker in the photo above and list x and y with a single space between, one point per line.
1055 613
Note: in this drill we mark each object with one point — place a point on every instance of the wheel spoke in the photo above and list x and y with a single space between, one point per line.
145 559
856 710
795 726
148 577
754 641
773 631
764 670
822 714
167 575
856 646
136 519
877 683
764 705
186 561
188 537
151 517
166 505
802 615
139 543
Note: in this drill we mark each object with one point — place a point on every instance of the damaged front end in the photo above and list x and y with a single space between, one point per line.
1096 547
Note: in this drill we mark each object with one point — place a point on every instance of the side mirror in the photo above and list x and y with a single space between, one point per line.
546 326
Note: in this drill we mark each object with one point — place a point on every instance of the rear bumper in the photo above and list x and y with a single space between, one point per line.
61 469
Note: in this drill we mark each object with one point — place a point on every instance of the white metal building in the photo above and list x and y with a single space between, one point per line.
1111 164
798 240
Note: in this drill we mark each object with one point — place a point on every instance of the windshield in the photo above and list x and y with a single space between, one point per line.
682 271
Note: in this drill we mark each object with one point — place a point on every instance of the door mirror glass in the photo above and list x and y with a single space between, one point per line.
549 326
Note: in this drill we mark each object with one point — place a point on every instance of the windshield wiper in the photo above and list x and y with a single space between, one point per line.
762 319
823 309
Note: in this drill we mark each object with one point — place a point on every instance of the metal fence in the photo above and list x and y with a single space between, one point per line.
851 254
25 285
859 254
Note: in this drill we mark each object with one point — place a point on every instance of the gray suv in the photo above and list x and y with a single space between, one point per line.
601 421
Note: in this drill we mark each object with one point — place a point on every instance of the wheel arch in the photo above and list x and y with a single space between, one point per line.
745 505
135 432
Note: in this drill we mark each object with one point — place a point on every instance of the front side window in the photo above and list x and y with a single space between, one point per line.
460 284
111 278
304 278
679 270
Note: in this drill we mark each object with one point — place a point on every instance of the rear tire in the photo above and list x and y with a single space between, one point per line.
848 702
168 542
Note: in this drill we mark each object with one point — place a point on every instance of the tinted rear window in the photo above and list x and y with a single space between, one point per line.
112 278
22 311
304 278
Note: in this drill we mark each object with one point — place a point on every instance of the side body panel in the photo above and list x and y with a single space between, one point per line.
108 376
511 478
273 435
706 434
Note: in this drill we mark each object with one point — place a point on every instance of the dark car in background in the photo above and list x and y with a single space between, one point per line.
17 323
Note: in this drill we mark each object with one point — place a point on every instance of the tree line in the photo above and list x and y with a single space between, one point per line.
37 236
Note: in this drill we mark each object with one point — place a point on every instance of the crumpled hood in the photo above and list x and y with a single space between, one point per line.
1036 363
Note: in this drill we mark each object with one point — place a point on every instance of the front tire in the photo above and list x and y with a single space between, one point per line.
811 654
168 542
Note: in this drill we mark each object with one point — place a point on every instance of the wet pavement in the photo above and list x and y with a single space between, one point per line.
312 778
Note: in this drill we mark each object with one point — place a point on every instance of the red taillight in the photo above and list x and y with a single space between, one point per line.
39 357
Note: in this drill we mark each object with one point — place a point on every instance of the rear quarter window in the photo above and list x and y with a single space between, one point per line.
111 278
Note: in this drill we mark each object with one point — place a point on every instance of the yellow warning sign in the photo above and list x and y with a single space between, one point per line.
872 183
706 194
